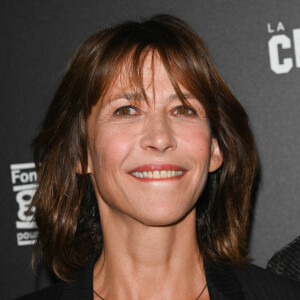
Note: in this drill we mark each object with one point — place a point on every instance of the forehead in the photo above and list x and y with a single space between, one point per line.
150 69
140 79
153 67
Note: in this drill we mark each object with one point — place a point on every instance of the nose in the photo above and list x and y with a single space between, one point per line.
158 134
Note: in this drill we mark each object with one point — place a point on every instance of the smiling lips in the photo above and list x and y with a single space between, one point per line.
153 172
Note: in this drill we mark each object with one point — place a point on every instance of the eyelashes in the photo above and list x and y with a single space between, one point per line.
127 111
184 110
130 110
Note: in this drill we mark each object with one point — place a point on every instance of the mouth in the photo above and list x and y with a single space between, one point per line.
152 172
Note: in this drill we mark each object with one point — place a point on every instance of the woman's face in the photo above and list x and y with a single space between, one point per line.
149 162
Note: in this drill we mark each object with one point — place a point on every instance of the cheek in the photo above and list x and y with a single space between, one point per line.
109 148
197 141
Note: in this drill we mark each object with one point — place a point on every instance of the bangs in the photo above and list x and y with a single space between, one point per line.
129 72
124 57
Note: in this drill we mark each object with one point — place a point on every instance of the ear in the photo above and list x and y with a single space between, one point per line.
79 166
216 157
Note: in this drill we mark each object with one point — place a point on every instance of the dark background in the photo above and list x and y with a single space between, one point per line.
37 37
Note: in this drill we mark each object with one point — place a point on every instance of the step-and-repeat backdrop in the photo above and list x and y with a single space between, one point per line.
256 46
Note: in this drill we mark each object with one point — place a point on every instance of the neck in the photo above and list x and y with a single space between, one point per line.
148 262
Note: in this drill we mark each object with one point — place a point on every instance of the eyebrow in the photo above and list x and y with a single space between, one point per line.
131 96
185 95
135 96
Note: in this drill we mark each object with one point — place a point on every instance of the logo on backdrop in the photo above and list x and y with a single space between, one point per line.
23 178
284 48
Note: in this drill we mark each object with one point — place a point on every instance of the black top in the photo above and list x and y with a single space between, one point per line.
224 282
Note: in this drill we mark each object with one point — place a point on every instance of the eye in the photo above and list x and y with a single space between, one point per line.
184 111
126 111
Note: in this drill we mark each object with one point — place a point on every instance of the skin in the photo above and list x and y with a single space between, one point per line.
150 249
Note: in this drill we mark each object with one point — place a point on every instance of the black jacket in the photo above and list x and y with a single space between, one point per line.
225 282
286 262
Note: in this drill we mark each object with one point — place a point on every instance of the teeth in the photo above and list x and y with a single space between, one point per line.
157 174
163 174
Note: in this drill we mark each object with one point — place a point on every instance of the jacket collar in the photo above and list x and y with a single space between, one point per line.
222 282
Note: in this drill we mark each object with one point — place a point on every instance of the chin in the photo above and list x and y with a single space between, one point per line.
164 216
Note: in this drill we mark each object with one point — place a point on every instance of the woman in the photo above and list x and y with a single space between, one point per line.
144 135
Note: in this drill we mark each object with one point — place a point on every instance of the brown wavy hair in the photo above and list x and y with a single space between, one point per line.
66 212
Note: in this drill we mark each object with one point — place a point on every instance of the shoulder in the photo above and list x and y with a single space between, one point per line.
80 288
50 292
248 282
255 280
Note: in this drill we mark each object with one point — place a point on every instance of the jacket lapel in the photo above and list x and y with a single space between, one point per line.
222 282
82 287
